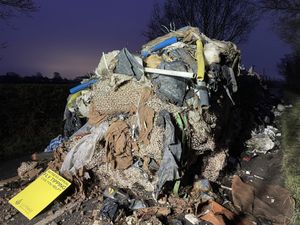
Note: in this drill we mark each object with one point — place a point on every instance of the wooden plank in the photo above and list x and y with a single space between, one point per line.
9 180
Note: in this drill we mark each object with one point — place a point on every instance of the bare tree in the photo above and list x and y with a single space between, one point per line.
221 19
9 8
290 6
287 24
287 19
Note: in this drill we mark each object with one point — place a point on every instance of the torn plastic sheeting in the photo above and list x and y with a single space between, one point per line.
184 55
271 132
158 46
127 64
72 122
260 143
168 170
228 74
84 130
83 103
172 89
82 86
214 73
109 209
211 54
54 143
233 80
81 154
213 49
105 62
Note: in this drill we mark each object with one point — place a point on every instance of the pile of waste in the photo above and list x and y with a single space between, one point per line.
151 117
154 131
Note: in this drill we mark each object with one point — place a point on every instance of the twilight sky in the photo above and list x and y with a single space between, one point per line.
70 36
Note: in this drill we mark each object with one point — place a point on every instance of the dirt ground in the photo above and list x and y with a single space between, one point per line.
261 170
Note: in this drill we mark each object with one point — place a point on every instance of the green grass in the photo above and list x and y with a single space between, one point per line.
291 148
31 115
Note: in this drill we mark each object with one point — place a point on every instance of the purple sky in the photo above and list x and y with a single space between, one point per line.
70 36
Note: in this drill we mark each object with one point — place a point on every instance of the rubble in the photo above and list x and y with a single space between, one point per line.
264 140
149 123
28 170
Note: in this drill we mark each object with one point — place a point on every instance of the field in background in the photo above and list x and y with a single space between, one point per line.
31 115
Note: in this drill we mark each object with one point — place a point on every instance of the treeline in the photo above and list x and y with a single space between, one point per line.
14 78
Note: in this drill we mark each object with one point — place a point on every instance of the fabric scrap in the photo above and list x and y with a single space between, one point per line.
146 116
119 145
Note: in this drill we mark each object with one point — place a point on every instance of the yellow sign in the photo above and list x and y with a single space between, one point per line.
39 194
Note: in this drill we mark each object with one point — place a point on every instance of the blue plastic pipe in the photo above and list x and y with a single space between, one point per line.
160 45
82 86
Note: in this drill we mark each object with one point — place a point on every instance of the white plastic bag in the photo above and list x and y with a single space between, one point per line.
82 153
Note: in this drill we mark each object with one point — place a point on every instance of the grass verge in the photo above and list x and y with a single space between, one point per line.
291 149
